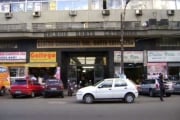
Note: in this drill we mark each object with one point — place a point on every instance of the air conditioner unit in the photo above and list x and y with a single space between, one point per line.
8 15
36 13
138 12
170 12
105 12
72 13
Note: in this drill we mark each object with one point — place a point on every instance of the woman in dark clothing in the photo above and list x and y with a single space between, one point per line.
161 86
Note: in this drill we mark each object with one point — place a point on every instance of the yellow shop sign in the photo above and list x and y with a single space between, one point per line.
42 56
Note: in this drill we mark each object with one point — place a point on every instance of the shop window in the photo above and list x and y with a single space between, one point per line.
17 71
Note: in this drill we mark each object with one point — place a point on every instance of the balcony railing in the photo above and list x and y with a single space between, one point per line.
13 27
68 26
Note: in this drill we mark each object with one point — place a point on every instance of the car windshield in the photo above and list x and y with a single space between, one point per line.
98 82
20 82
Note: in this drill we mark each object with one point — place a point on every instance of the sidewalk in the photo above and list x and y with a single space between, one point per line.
66 92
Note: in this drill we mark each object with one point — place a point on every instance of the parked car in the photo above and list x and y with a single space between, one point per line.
176 87
109 89
25 87
53 87
151 87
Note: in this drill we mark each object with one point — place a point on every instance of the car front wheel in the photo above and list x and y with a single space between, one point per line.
88 99
129 98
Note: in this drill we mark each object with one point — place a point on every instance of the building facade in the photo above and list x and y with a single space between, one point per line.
83 38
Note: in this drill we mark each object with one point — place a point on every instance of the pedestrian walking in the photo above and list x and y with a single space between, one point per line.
161 86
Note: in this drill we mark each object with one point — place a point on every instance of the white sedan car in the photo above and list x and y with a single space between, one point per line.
111 88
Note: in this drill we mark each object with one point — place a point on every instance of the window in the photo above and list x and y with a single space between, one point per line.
169 42
140 4
114 4
106 84
164 4
45 6
96 4
120 83
17 7
17 71
72 5
20 82
178 4
34 6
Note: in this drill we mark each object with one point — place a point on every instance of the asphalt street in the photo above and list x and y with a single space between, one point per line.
144 108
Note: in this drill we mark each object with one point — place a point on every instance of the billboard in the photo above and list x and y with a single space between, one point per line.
153 70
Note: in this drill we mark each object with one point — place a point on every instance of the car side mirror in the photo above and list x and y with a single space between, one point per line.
100 86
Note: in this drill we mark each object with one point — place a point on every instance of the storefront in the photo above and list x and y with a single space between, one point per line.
84 67
16 63
168 62
42 65
133 64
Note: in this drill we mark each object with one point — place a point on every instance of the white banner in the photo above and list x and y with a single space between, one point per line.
164 56
129 56
12 56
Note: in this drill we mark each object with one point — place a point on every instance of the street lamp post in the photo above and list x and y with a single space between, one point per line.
122 37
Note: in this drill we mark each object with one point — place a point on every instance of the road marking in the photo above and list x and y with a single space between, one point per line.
57 102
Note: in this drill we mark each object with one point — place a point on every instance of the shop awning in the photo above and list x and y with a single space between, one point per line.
42 64
14 64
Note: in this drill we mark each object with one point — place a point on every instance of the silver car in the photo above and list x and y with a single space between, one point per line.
176 87
151 87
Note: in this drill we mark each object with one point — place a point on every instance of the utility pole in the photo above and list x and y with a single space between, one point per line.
122 18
